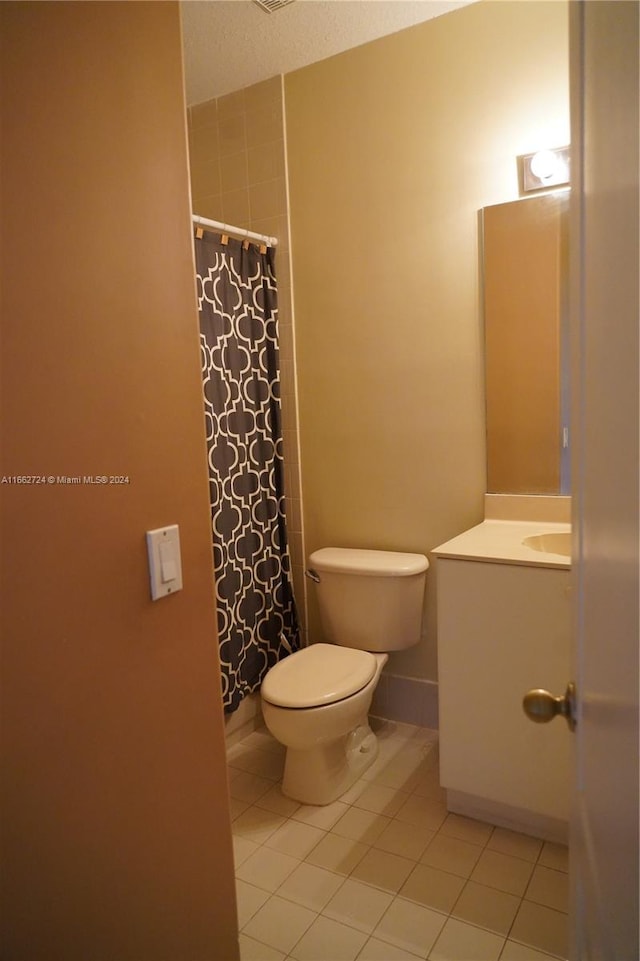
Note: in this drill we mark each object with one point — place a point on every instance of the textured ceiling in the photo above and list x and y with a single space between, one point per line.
229 44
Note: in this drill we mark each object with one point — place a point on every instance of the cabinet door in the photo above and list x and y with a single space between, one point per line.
501 631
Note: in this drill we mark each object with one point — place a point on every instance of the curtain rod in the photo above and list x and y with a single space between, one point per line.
226 228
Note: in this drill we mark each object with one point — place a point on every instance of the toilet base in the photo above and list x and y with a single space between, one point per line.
321 774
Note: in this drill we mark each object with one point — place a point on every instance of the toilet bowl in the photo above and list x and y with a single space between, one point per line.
316 701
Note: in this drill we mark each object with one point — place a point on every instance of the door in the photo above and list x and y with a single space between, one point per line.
604 320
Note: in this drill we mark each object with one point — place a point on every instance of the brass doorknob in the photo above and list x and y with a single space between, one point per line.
541 706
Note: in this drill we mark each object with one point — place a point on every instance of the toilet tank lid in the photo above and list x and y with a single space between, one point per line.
348 560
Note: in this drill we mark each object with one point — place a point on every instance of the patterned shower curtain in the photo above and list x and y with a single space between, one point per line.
237 303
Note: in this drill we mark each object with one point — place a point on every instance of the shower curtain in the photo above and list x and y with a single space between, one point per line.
237 303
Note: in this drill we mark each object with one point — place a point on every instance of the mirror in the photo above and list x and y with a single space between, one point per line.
524 247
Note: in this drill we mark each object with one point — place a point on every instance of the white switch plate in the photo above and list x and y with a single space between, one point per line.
165 566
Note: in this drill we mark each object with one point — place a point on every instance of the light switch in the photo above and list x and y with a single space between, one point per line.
168 571
165 566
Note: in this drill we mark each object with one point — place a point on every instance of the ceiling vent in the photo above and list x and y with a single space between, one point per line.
270 6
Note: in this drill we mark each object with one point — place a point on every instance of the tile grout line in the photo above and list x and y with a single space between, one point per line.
398 894
402 744
371 846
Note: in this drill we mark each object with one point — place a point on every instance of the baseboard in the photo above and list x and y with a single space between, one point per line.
505 816
247 718
412 700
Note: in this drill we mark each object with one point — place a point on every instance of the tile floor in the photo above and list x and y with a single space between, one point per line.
385 873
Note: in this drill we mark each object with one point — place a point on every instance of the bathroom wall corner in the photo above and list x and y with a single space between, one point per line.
412 700
247 718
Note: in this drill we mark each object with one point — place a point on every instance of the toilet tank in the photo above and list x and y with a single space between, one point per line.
370 600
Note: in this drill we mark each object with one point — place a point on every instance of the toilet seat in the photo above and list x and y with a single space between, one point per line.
318 675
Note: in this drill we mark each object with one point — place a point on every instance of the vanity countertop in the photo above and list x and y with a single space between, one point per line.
501 542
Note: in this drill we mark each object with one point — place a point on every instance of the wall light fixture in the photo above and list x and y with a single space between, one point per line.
545 168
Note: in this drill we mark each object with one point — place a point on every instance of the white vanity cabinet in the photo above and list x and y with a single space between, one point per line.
503 629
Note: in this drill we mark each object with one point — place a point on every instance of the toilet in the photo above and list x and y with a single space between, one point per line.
316 701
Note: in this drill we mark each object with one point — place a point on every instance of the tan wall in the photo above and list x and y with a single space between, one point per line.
116 826
393 148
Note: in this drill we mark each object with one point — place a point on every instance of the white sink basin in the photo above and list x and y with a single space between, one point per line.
556 542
